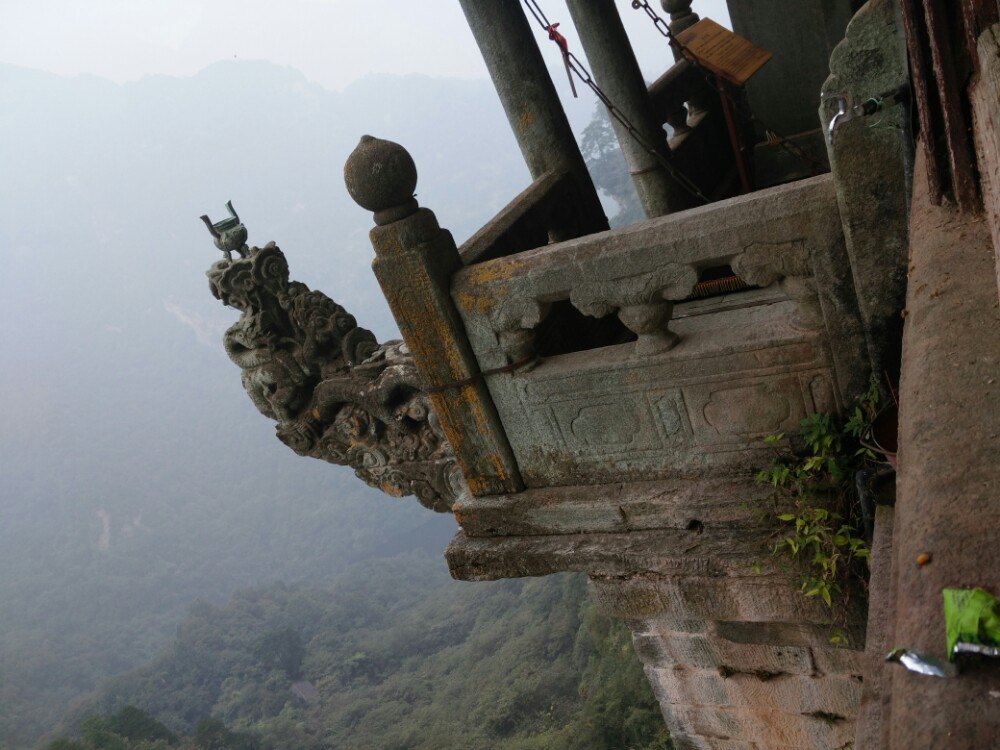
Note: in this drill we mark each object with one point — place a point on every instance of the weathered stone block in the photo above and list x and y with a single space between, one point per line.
870 160
623 564
792 633
668 648
748 598
801 694
785 93
873 713
680 503
766 728
846 661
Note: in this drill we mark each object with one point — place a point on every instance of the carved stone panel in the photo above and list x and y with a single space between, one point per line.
608 415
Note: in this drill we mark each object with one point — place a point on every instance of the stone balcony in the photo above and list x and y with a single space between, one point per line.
594 400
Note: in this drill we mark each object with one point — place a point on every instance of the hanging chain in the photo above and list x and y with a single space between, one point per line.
575 67
771 135
662 26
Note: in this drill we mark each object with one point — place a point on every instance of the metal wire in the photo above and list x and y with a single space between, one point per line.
574 65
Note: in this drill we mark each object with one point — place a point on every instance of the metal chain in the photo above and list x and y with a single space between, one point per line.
574 65
771 135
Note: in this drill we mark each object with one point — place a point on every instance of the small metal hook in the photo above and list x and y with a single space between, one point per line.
845 112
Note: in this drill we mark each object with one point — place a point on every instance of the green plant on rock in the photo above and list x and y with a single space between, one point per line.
814 503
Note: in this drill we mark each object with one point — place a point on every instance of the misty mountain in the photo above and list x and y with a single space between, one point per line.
135 476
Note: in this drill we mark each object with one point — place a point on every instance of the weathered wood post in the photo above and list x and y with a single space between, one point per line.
616 71
529 98
414 262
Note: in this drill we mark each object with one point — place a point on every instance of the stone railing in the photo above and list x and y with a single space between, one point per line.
334 391
644 381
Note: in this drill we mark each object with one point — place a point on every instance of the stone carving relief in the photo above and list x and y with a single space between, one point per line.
643 303
764 263
749 410
334 391
514 321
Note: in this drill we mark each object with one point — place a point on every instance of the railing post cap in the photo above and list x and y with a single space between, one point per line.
675 6
380 176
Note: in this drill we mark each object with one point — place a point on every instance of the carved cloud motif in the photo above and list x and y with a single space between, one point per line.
747 410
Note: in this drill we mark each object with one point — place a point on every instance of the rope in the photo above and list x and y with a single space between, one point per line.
563 45
575 67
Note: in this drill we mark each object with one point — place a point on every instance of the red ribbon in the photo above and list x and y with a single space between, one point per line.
563 45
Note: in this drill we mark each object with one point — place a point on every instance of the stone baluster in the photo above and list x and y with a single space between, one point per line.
644 303
533 109
682 17
616 71
414 262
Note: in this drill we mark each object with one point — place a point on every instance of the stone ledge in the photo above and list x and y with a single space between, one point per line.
681 503
644 558
713 653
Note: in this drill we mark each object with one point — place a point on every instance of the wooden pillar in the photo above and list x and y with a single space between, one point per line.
616 71
414 263
529 98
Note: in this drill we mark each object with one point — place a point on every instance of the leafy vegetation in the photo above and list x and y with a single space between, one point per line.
814 505
400 657
608 169
133 729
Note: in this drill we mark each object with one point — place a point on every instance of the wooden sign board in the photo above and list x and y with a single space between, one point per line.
724 53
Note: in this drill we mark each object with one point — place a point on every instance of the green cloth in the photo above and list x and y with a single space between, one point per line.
971 616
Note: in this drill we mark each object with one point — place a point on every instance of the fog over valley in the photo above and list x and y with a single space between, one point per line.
136 478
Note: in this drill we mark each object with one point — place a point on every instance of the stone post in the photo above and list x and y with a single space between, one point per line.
616 71
414 262
869 160
529 98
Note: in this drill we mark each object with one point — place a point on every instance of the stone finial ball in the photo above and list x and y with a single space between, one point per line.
380 175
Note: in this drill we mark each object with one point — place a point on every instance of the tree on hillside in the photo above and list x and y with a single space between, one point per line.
607 167
212 734
127 729
282 649
133 729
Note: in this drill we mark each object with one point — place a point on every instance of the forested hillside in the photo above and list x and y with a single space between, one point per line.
135 476
395 655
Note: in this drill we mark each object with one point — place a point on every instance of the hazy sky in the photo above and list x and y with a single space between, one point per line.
333 42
